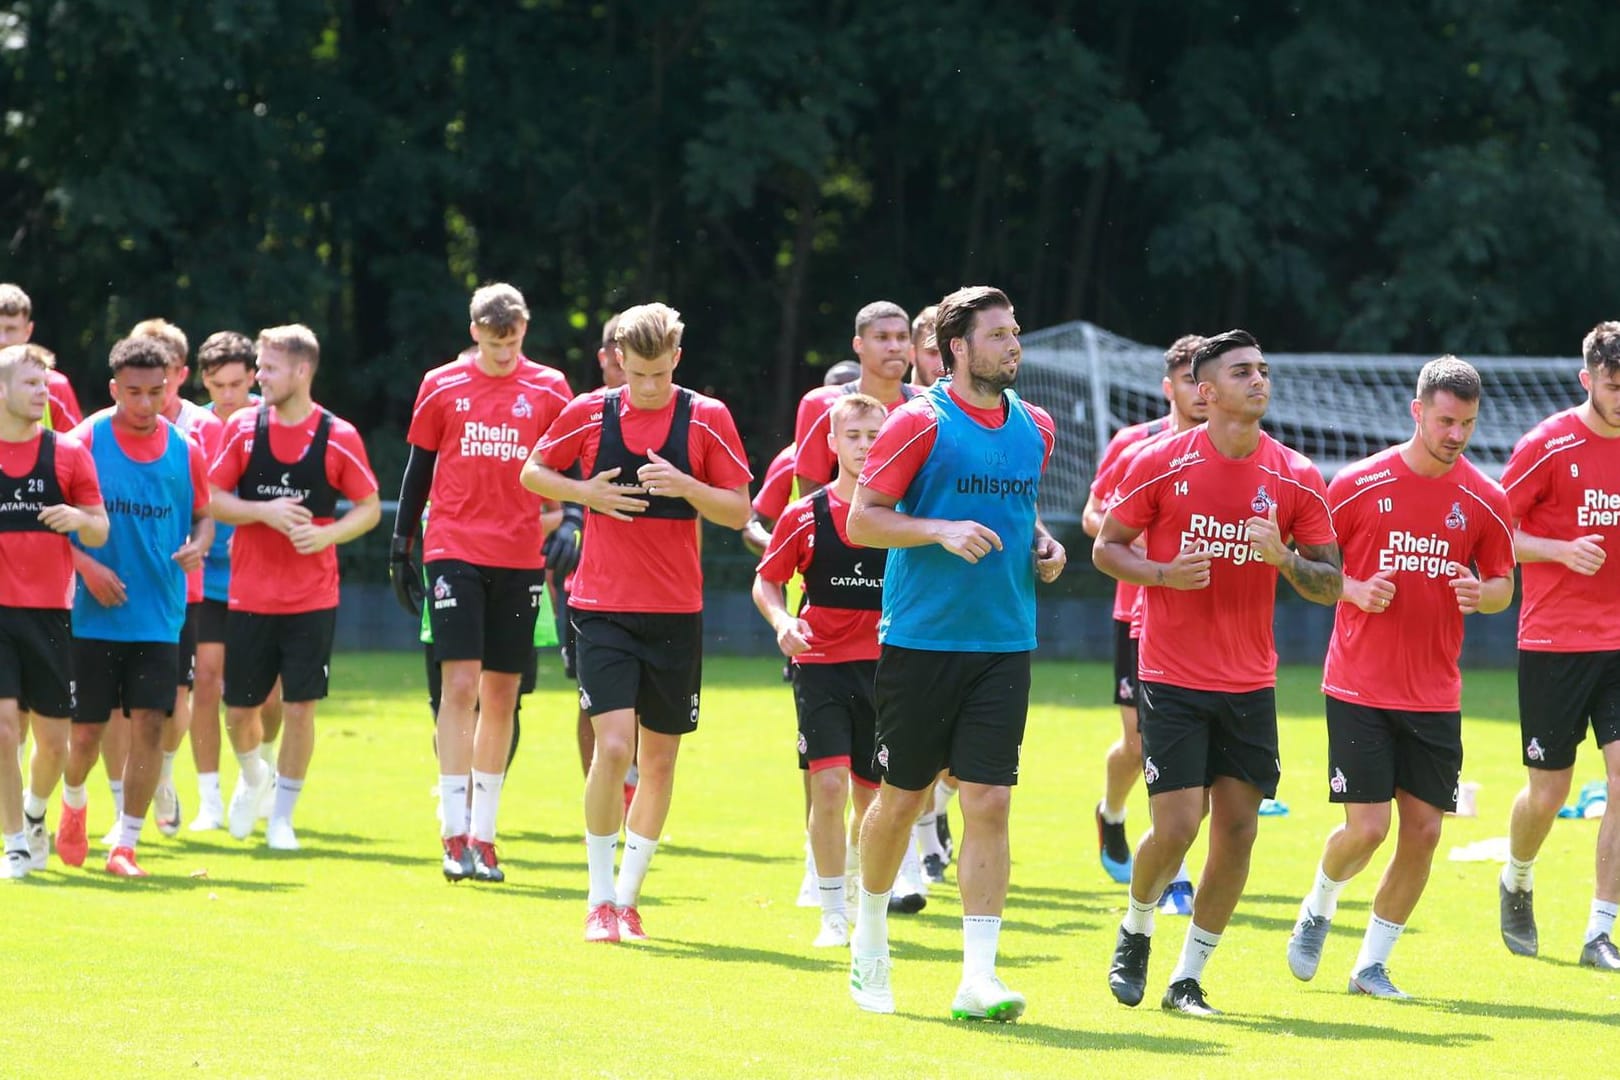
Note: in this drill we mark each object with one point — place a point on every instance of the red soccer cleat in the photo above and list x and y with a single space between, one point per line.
121 863
630 925
72 845
602 924
629 797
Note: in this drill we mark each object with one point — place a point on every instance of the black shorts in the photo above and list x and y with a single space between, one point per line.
1372 752
837 706
211 622
964 710
435 676
36 660
123 675
186 668
1189 737
652 663
1125 681
483 613
259 649
1559 695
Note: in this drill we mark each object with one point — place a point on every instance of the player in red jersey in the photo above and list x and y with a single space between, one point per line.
50 491
1563 482
882 344
927 365
62 412
1413 522
1224 509
473 425
277 478
832 642
658 456
1123 763
777 489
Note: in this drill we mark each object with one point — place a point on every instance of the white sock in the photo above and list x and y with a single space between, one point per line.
1195 953
1518 876
1323 899
287 792
208 789
926 833
638 853
1377 943
1182 875
253 767
942 796
486 801
453 804
166 770
981 934
1601 921
852 862
599 862
129 831
832 895
871 925
1112 819
1139 915
117 789
267 753
33 806
74 797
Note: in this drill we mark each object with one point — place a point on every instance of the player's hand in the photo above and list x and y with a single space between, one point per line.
1266 538
1050 559
63 518
1466 586
103 584
561 549
1585 554
968 540
1188 570
403 575
660 477
189 555
1373 595
615 500
284 514
793 637
309 539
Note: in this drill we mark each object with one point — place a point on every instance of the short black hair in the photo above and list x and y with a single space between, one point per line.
1213 348
958 311
139 352
225 347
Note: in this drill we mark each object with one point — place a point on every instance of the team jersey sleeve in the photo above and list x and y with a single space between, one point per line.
715 448
1524 483
789 551
1312 523
199 479
64 404
76 473
777 490
231 461
347 467
564 441
809 408
902 446
1104 482
815 457
1136 500
427 419
1043 420
1493 554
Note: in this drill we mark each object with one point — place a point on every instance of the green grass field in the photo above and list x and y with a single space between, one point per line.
355 958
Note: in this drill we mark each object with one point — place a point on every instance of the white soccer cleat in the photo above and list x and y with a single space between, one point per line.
912 876
279 835
210 816
166 812
267 797
986 997
39 844
14 866
834 931
114 837
809 885
869 983
243 812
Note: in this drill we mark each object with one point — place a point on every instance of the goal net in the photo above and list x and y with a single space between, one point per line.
1336 408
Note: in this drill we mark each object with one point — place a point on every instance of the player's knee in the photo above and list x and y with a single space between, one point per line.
987 805
1422 832
10 730
828 787
614 749
1234 833
1366 831
1548 791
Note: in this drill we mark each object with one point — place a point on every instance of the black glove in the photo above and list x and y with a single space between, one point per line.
406 578
561 549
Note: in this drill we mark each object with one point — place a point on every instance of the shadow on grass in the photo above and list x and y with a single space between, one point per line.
1493 1010
345 846
1075 1039
730 856
164 882
822 960
1343 1030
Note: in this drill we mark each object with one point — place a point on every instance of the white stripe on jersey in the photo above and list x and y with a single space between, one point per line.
454 383
1488 510
932 424
1310 491
1548 456
547 444
722 442
803 525
1359 492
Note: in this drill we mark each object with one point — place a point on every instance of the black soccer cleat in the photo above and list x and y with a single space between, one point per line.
1601 953
1186 996
1518 920
1127 977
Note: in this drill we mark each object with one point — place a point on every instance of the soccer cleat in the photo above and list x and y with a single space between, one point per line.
906 903
1186 996
279 835
72 845
15 866
1305 945
630 924
39 843
166 812
942 824
1177 898
1113 849
1601 953
243 813
934 868
121 863
114 836
458 859
986 997
1518 920
834 931
911 877
210 816
486 867
869 983
602 924
1127 976
1373 980
809 889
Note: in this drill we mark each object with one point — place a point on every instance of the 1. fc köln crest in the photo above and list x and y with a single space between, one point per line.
1263 502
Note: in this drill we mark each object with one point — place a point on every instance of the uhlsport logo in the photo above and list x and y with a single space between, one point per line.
521 407
1456 519
1339 784
1263 502
441 595
1150 771
1534 751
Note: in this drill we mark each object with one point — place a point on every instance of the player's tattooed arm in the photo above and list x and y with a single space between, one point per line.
1314 570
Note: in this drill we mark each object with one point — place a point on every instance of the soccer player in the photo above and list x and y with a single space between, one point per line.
127 618
51 491
927 365
777 489
832 642
965 459
882 344
277 478
62 412
658 456
1412 521
473 425
1563 483
1219 507
1123 763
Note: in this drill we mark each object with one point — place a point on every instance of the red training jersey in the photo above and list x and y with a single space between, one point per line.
482 428
269 577
907 438
36 568
777 488
62 410
1109 472
1420 530
1182 491
816 459
205 430
1563 482
837 635
650 565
